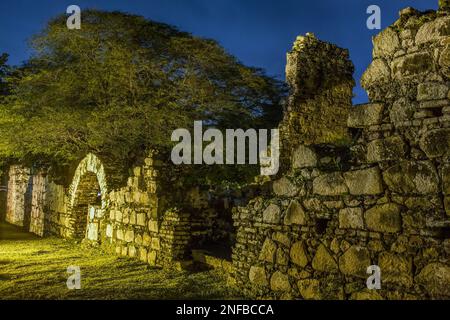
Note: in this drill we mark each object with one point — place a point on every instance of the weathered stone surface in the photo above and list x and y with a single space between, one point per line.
412 177
304 157
396 269
351 218
281 237
268 251
284 188
444 61
435 277
129 236
282 257
433 104
332 184
295 214
272 214
92 233
391 148
436 143
431 91
447 205
280 282
433 30
323 261
309 289
298 254
386 43
411 65
384 218
257 276
402 110
377 72
365 115
446 179
355 262
141 218
366 295
364 182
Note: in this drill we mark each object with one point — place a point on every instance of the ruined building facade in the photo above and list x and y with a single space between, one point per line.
360 186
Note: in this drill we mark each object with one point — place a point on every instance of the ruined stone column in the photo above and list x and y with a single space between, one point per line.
18 183
320 76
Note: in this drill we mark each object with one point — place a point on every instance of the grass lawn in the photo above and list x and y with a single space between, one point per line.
35 268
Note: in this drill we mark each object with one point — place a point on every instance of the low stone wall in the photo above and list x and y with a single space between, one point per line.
381 200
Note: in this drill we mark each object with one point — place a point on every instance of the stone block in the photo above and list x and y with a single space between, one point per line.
355 262
323 261
295 214
412 177
351 218
386 43
272 214
434 30
299 255
436 143
435 277
395 269
257 276
364 182
391 148
378 72
280 282
384 218
129 236
282 237
332 184
365 115
431 91
141 219
304 157
153 226
284 188
411 65
309 289
402 110
268 251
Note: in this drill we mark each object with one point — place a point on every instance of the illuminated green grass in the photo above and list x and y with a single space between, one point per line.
33 268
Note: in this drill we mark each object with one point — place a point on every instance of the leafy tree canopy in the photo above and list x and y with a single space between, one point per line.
120 85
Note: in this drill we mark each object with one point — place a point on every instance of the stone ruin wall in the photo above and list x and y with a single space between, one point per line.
148 217
360 185
384 199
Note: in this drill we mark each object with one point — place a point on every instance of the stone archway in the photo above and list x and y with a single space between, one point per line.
88 199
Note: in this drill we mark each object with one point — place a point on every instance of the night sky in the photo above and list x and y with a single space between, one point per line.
258 32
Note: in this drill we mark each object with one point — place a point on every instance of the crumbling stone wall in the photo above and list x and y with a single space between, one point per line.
148 218
382 199
18 197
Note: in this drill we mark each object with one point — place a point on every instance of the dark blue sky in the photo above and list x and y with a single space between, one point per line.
258 32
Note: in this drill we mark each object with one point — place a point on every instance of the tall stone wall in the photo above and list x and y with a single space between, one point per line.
17 205
381 200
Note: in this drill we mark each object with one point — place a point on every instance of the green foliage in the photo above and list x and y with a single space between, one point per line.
120 85
4 71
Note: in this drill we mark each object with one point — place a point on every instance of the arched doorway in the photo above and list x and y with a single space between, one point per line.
88 199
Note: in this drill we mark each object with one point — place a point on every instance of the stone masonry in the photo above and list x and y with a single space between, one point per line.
359 185
382 198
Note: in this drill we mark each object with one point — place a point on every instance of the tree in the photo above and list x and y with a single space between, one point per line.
3 73
121 84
